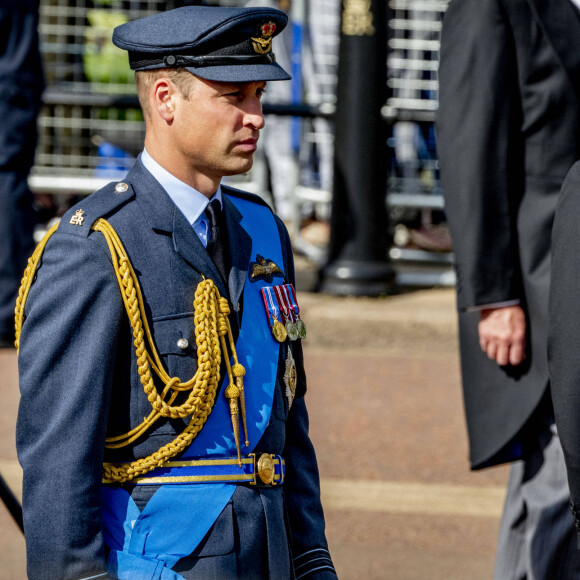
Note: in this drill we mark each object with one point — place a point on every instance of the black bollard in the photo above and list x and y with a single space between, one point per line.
358 261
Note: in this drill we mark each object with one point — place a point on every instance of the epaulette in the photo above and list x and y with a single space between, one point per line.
79 218
244 195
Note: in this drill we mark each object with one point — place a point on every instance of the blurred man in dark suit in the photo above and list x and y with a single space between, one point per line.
508 132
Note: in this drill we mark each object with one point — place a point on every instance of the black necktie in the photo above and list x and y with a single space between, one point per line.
216 246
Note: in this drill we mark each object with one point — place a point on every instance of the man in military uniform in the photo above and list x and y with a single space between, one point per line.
162 429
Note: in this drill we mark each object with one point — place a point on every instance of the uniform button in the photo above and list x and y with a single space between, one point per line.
121 187
183 343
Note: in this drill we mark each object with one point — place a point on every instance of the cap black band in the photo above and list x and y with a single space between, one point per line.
136 62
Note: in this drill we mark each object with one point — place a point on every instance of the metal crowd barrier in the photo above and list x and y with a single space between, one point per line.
91 126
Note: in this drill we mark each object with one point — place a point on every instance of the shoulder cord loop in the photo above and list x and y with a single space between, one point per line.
211 327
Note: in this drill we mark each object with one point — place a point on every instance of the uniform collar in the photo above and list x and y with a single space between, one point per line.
191 202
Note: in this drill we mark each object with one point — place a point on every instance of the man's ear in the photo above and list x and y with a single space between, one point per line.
164 96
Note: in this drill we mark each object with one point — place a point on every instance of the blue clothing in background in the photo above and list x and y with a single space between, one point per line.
21 84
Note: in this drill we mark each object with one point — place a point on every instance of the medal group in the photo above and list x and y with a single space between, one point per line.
280 301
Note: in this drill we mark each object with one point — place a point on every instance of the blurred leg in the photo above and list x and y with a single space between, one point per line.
537 539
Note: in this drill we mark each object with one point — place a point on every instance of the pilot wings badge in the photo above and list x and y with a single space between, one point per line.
263 269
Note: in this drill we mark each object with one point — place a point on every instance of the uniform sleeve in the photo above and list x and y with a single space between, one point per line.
564 327
302 494
310 553
480 149
66 364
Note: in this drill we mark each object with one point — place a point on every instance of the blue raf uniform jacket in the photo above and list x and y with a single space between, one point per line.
79 384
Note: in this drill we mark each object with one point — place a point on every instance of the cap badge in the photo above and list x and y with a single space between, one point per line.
263 44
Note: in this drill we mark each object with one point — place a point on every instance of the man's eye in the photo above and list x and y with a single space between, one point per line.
260 92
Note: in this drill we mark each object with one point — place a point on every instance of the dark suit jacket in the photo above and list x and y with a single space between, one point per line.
564 328
79 383
508 131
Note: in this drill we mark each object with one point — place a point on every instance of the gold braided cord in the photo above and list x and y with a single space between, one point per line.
211 326
26 283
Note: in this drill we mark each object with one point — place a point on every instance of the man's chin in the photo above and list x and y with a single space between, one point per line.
242 167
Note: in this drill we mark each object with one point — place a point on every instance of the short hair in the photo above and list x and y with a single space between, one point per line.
145 79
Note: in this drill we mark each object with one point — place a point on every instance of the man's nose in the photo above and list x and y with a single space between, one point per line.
254 117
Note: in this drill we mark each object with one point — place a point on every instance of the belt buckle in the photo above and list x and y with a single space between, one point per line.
264 468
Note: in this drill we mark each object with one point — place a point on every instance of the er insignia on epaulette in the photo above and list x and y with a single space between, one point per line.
78 218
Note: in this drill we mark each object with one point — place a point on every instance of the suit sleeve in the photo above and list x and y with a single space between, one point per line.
66 365
310 553
564 325
480 149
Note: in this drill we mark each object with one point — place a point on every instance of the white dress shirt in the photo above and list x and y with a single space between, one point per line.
191 202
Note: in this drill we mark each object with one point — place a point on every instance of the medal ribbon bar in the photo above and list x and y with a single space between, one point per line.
299 323
285 308
278 330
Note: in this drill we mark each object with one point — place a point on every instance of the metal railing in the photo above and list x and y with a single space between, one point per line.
91 126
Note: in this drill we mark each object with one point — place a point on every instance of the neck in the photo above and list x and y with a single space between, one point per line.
174 164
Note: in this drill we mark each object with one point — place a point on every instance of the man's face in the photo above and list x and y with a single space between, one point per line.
216 130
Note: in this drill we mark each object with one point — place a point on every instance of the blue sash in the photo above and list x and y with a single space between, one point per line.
145 545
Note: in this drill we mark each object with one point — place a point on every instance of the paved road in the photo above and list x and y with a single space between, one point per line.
387 421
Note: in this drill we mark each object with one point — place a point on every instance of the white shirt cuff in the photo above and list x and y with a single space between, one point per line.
504 304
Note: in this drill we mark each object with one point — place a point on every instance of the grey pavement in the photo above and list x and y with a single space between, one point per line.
387 422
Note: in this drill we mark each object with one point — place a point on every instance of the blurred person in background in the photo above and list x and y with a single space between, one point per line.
276 137
21 85
300 152
508 131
